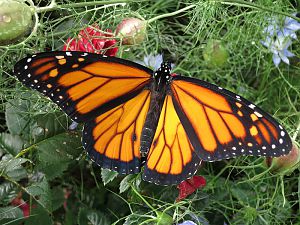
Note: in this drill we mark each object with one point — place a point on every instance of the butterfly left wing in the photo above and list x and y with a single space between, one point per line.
83 84
221 124
171 158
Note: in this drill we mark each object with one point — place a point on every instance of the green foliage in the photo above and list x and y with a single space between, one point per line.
7 192
57 152
41 192
39 216
130 179
43 164
12 168
10 143
10 212
90 216
108 175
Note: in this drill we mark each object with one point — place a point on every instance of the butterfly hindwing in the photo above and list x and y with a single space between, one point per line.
222 125
84 85
171 158
112 139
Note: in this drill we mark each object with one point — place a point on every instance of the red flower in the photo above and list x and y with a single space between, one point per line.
24 206
92 40
189 186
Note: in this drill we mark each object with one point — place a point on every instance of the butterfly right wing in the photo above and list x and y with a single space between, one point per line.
112 139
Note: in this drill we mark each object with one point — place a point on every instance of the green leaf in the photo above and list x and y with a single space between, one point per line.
38 215
48 125
7 192
69 218
55 153
10 212
10 143
108 175
131 179
22 121
12 167
17 117
164 218
88 216
245 194
57 197
41 193
53 170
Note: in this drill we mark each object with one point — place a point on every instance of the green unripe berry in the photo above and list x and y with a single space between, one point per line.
15 20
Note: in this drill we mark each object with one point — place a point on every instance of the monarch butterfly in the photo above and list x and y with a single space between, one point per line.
135 117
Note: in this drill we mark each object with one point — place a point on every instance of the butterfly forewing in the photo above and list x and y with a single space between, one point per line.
222 125
84 85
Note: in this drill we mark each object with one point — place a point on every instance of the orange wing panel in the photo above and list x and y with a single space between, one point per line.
84 85
113 138
116 70
221 125
171 158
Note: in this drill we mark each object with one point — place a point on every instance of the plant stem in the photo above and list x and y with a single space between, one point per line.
255 6
170 14
50 7
296 132
53 5
228 2
24 151
144 200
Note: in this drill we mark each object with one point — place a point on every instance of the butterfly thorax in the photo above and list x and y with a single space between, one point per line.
162 75
158 93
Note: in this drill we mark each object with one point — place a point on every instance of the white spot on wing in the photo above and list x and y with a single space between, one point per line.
251 106
258 114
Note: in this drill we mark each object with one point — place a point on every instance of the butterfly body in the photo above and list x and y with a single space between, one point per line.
131 114
158 92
